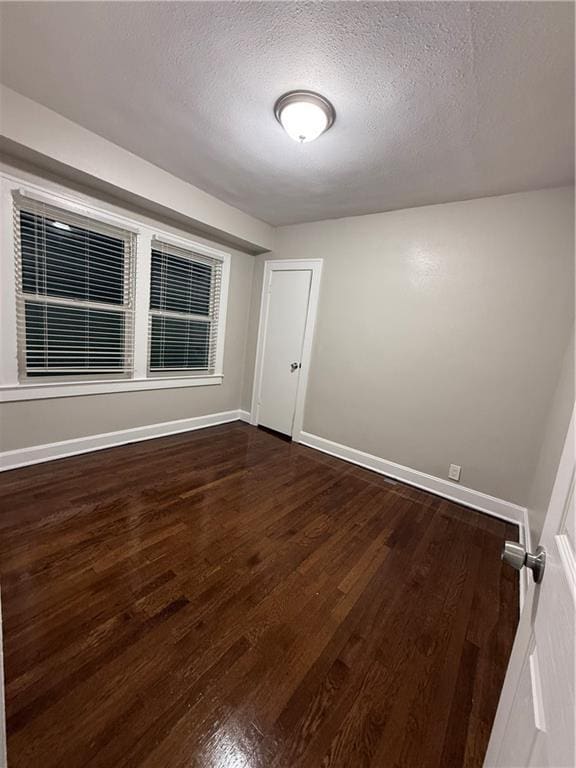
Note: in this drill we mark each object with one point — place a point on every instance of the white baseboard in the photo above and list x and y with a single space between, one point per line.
244 416
22 457
505 510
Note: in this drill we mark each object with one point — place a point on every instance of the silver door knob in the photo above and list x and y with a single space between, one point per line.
515 554
294 366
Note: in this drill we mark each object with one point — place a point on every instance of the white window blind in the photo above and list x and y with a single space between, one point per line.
75 294
184 303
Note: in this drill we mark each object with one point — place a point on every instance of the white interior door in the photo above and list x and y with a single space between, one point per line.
535 721
287 310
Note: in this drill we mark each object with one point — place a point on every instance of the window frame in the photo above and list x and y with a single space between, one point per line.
12 388
158 245
25 298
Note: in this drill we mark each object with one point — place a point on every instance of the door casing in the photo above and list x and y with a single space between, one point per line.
284 265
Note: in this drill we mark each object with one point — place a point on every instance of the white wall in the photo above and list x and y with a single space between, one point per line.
441 332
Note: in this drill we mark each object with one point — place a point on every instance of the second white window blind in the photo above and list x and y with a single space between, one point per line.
184 302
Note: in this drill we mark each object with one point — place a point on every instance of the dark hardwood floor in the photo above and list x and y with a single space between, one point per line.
225 599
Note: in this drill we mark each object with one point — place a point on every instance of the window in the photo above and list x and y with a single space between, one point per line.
96 300
74 294
184 303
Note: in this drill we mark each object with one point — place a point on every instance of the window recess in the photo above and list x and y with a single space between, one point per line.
185 289
74 295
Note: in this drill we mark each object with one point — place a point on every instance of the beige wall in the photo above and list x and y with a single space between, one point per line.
556 426
440 334
37 422
440 338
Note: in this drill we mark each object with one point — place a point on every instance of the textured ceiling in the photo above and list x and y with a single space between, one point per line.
435 101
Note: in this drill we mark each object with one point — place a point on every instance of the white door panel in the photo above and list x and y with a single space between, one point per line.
285 327
535 721
517 749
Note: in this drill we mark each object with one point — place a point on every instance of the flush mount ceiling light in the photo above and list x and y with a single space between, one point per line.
304 115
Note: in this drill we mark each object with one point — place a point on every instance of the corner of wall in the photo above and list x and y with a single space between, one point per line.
554 435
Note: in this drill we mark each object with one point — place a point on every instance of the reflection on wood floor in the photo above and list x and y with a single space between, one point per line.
223 598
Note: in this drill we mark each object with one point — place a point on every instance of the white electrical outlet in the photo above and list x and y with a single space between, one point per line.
454 472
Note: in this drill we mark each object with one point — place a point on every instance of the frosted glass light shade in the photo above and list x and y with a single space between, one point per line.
304 115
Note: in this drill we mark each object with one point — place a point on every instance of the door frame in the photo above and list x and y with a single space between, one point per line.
287 265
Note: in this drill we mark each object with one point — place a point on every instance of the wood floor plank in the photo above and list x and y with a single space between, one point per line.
224 597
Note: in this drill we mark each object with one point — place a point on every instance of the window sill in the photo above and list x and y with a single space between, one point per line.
73 389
